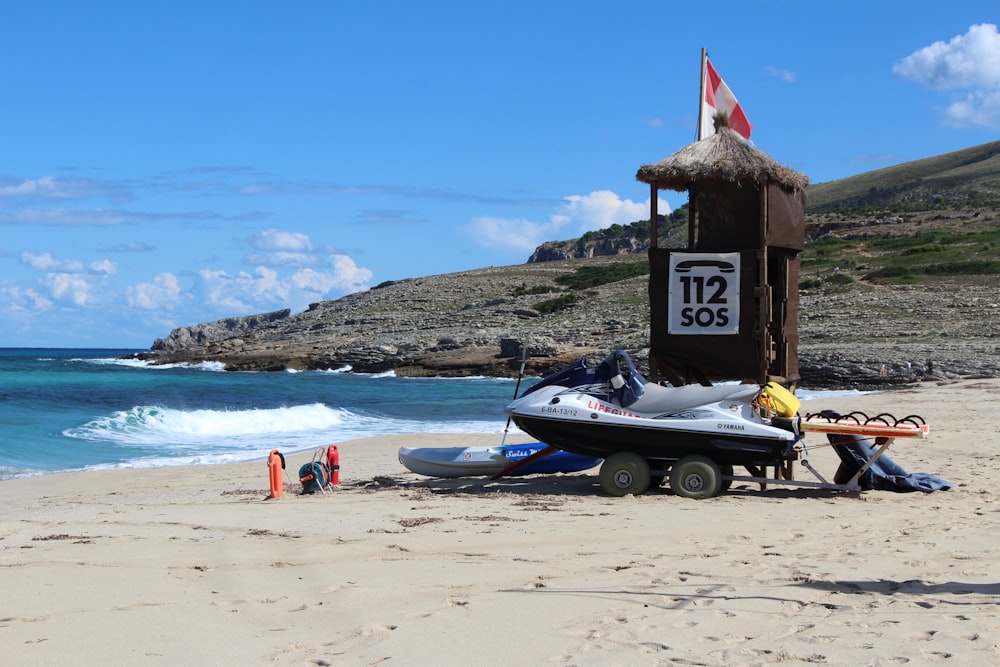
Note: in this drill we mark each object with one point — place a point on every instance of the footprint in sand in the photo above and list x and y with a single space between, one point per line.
738 639
796 629
653 647
936 655
377 629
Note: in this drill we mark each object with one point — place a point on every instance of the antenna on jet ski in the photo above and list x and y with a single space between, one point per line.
517 388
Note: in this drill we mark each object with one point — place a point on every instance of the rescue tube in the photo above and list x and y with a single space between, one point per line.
333 460
275 466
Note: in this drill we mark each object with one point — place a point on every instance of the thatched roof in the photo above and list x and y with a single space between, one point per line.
724 156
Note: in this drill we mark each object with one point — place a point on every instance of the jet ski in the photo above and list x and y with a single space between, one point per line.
646 431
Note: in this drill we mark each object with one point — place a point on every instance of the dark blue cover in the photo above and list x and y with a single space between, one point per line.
885 474
558 461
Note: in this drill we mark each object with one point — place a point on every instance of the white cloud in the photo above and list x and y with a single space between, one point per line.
348 275
785 75
309 280
506 233
579 214
281 259
69 217
19 300
281 248
163 293
969 62
242 293
68 288
245 293
277 240
978 110
598 210
46 262
103 267
266 286
132 246
53 187
221 290
67 281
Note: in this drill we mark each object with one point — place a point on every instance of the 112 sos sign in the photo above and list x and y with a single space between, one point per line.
704 293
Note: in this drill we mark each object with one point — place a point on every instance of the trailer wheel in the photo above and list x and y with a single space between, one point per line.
623 473
696 477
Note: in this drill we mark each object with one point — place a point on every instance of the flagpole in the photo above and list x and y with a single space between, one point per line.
701 96
692 197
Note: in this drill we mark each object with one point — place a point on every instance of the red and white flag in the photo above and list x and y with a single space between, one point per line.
718 97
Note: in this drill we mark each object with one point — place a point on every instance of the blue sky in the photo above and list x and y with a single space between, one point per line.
169 163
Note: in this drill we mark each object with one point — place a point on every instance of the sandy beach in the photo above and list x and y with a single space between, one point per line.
192 566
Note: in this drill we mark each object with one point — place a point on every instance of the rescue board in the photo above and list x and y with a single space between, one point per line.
910 427
488 461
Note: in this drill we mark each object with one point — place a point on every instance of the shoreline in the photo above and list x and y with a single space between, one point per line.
189 565
141 464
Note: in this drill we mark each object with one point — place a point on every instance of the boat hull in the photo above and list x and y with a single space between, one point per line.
489 461
653 442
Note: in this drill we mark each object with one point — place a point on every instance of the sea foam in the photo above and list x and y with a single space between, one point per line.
156 425
178 429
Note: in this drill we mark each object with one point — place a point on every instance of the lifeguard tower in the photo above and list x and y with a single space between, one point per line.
726 306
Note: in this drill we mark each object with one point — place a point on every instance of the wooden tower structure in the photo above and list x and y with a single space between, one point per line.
725 307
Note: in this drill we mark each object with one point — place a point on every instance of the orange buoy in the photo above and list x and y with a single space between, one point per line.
333 460
275 466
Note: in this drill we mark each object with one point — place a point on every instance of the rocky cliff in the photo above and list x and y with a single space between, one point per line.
476 322
552 251
212 332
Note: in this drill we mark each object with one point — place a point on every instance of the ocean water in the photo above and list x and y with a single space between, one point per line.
74 409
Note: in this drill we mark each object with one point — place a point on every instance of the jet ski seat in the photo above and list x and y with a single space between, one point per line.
658 400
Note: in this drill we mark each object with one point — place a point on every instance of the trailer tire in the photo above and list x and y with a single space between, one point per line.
623 473
696 477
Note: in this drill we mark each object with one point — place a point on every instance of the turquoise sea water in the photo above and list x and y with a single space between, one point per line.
83 409
74 409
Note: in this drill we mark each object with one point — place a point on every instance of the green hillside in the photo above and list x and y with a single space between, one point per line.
912 222
969 177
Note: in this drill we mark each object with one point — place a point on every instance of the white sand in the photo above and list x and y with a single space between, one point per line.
190 566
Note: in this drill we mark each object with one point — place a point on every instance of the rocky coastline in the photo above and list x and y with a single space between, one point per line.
476 322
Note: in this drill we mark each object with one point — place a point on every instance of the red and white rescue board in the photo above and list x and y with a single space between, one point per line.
871 430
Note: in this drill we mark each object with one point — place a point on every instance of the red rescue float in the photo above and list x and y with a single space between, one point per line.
275 466
333 460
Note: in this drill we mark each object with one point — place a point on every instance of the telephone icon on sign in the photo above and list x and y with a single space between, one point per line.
688 264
